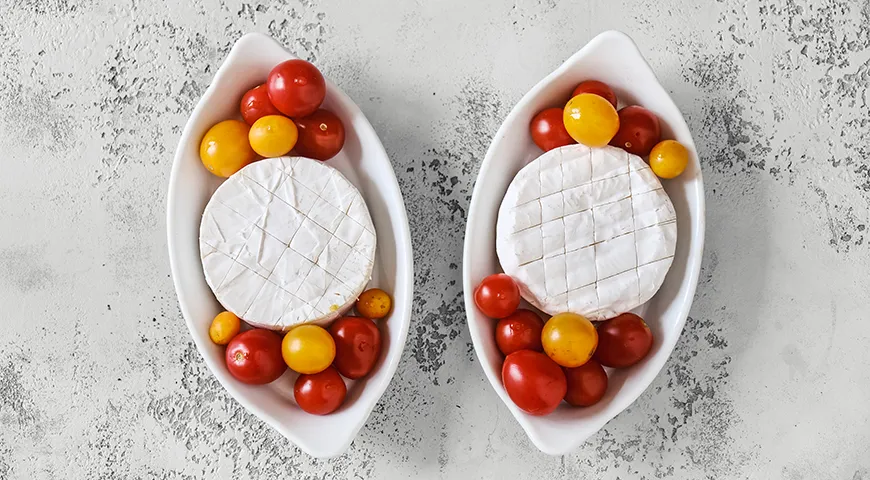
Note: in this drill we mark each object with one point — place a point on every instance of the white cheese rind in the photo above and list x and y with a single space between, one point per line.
588 231
287 241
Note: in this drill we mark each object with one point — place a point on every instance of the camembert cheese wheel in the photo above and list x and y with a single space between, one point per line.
287 241
586 230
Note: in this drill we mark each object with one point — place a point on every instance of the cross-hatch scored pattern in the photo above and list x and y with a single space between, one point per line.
285 241
587 230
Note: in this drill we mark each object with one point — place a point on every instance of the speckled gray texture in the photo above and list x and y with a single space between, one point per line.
99 378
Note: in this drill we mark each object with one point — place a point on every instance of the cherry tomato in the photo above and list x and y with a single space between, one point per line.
357 346
224 149
308 349
320 393
254 357
224 327
668 158
321 135
374 303
598 88
638 131
586 384
273 136
256 104
623 341
296 88
519 331
497 296
533 381
548 130
569 339
590 119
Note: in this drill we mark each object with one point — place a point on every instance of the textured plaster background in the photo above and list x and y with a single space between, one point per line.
99 378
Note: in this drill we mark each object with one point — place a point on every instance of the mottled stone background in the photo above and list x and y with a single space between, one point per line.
99 378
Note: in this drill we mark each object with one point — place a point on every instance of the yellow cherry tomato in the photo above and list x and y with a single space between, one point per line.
374 303
225 149
308 349
273 135
569 339
224 327
590 119
668 158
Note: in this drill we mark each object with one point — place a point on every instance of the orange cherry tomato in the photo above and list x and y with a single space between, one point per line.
569 339
308 349
273 136
590 119
668 159
374 303
224 327
225 150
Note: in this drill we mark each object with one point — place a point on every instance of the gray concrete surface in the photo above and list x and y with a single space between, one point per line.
99 379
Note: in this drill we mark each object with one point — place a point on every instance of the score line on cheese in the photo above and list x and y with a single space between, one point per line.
287 241
587 231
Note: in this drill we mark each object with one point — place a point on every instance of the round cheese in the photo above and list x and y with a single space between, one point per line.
287 241
587 231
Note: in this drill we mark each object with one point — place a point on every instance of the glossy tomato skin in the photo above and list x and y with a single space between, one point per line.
598 88
296 88
357 346
254 357
273 136
225 149
320 393
256 104
308 349
569 339
668 159
519 331
623 341
497 296
533 381
639 130
548 130
586 384
321 135
590 120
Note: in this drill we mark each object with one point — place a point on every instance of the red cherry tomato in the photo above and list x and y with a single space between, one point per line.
533 381
256 104
296 88
357 346
497 296
321 135
598 88
623 341
548 130
254 357
519 331
586 384
639 130
320 393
